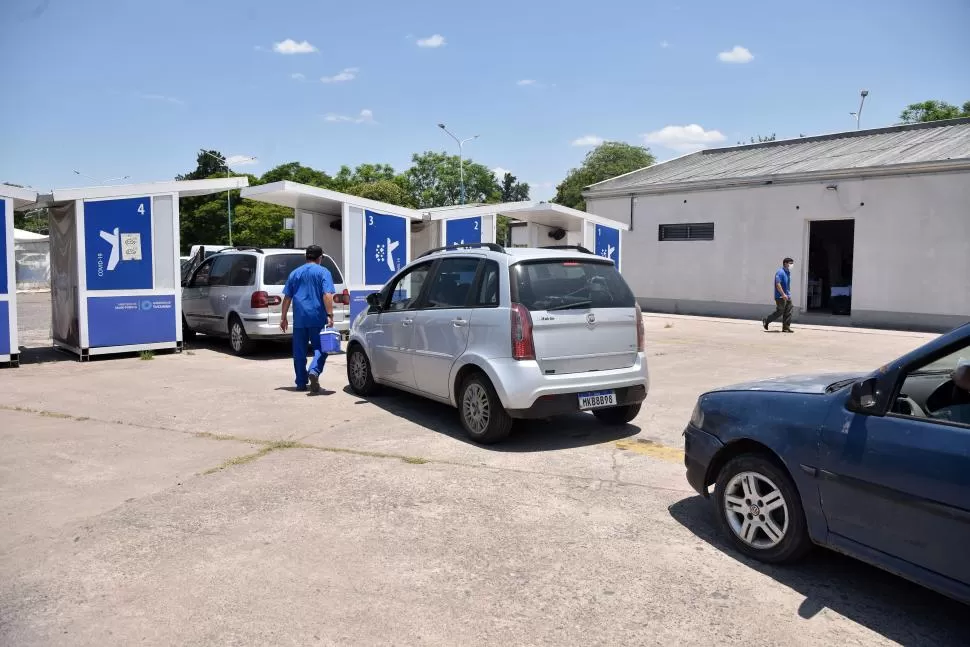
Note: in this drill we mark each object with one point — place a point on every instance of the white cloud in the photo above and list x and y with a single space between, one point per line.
290 46
366 116
500 172
588 140
524 82
432 41
298 76
175 101
664 44
684 139
737 55
241 160
346 74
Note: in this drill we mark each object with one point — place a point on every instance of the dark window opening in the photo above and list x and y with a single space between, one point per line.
687 231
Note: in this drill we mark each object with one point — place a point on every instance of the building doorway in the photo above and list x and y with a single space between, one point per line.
830 249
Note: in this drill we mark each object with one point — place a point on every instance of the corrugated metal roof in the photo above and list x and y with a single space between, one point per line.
855 150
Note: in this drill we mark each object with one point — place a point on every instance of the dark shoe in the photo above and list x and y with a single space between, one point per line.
764 322
787 330
300 389
314 383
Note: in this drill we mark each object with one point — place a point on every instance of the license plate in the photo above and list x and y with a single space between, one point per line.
597 399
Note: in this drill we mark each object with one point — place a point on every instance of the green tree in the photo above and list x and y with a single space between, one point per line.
363 174
606 161
296 172
513 190
206 165
260 224
386 190
933 110
434 181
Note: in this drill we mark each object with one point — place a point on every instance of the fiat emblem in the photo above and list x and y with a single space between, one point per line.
590 319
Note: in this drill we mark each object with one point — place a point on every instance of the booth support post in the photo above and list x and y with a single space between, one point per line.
9 342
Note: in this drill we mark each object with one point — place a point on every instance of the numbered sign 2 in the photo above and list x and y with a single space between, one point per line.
118 244
463 231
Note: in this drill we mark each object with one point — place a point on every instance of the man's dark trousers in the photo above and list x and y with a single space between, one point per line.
783 311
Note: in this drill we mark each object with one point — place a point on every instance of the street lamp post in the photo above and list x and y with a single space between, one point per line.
225 162
101 182
461 157
858 115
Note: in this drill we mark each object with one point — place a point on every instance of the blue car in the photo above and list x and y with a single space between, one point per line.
876 467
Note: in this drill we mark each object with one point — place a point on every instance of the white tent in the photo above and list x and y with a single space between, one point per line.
32 260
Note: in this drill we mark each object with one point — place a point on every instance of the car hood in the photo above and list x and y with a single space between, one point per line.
794 384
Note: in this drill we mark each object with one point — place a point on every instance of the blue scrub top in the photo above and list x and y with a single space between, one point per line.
306 286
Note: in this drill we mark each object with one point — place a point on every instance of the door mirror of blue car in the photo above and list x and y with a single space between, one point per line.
864 397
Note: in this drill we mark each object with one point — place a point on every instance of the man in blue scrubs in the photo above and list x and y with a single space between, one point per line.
310 289
783 304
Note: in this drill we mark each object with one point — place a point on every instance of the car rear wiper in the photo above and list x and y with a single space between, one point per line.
568 306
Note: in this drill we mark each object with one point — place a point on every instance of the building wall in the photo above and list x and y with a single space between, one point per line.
911 260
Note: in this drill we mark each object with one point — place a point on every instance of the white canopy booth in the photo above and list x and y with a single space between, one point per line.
11 198
115 270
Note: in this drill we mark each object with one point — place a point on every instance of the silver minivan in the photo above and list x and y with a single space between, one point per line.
238 292
505 334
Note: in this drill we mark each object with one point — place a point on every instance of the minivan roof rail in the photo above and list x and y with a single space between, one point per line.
578 248
241 248
491 246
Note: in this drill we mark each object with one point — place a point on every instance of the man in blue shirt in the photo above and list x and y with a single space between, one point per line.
310 289
783 305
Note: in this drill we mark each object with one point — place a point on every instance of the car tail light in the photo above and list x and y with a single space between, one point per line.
523 346
343 298
263 300
641 333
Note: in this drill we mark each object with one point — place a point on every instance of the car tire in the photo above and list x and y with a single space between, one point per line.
360 377
617 416
757 491
481 412
239 341
187 333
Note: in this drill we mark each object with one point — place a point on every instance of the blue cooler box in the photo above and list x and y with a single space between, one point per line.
330 341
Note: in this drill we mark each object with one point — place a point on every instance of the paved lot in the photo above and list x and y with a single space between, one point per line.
196 499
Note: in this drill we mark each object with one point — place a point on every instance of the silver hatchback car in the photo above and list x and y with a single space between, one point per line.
505 334
238 292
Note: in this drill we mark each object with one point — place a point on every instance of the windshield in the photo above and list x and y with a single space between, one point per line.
277 268
568 283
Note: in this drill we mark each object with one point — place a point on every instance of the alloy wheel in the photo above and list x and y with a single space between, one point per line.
358 369
475 407
756 510
236 336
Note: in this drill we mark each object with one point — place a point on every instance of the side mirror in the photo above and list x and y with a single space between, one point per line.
863 397
374 300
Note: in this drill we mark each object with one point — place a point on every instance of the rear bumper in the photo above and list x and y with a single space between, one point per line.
267 326
548 406
521 385
700 448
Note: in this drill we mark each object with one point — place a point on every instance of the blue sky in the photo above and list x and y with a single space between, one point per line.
136 87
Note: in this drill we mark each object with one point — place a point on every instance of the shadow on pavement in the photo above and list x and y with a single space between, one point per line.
565 432
262 350
889 605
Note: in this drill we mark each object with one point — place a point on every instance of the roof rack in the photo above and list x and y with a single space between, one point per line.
491 246
578 248
241 248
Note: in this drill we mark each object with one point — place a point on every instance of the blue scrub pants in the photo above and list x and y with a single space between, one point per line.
302 337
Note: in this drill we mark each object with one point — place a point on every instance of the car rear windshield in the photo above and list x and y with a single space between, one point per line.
567 283
277 268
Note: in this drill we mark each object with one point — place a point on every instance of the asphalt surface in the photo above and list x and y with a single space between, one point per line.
197 499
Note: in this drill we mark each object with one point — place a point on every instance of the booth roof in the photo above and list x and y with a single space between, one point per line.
317 200
543 213
19 195
184 188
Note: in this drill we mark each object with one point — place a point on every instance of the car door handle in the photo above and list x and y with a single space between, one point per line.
459 322
407 322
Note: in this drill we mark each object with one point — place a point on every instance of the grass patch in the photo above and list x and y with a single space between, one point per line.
146 355
414 460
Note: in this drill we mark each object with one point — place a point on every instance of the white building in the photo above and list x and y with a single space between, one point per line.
877 221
